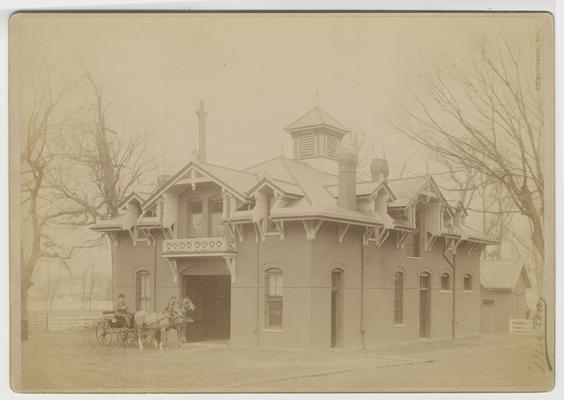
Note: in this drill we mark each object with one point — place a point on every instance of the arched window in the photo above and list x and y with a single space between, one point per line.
273 298
398 298
468 282
445 281
142 290
195 218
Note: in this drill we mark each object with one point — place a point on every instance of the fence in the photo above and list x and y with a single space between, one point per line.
41 321
522 327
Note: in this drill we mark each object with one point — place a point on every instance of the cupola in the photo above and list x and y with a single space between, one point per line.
316 137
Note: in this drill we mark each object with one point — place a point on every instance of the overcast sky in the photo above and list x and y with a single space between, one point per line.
257 73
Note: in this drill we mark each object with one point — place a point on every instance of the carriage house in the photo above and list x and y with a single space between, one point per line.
299 253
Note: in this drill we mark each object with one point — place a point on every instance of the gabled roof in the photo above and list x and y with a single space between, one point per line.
234 181
503 274
317 201
311 180
130 197
315 118
286 188
406 189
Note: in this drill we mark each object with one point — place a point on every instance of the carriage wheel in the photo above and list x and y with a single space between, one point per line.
124 337
103 333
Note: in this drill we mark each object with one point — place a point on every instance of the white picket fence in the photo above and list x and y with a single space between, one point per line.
522 327
62 320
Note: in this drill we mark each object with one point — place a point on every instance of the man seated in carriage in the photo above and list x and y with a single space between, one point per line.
121 310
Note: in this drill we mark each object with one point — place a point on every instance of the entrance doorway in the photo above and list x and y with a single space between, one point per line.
337 308
424 305
211 295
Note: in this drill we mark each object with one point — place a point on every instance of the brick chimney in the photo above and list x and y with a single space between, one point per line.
347 159
201 113
379 169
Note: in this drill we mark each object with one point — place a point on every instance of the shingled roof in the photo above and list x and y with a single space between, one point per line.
315 118
405 189
503 274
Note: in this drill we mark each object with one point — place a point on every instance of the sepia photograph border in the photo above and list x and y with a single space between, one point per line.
551 141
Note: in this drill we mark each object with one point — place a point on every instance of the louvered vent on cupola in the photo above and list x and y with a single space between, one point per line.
316 137
307 146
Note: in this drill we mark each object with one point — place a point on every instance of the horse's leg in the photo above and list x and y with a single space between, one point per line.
139 335
163 337
182 334
178 337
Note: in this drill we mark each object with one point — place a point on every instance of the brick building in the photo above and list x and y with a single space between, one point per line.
299 253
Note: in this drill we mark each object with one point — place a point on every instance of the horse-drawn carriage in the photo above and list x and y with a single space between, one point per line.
119 328
143 326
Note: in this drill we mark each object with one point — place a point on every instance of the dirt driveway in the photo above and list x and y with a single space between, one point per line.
71 361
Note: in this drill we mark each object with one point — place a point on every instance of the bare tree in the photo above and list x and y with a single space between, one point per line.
46 119
90 276
486 115
487 118
103 164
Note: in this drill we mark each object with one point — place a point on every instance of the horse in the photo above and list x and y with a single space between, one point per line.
157 321
180 321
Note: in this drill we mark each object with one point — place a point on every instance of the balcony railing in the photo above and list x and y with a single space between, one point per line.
198 246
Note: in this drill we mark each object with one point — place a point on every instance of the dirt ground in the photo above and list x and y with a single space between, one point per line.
72 361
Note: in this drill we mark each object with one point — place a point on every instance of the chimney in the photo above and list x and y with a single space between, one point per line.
201 113
347 159
379 169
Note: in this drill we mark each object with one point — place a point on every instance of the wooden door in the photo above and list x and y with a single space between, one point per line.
211 295
193 287
424 305
336 308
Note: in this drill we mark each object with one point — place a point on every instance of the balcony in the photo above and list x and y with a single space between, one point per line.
196 247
